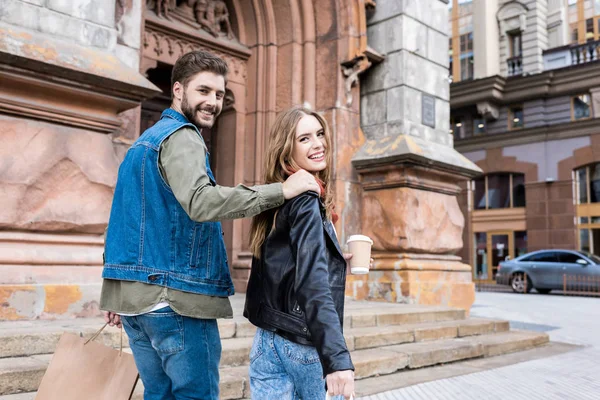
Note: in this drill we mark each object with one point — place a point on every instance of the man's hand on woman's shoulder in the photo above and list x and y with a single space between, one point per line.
298 183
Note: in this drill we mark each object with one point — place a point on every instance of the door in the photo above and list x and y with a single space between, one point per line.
578 270
500 248
543 267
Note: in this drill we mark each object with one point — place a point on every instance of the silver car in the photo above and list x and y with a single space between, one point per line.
544 270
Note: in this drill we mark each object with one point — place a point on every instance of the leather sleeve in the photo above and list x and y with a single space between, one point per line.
312 283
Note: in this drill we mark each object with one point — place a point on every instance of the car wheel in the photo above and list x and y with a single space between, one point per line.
518 283
543 291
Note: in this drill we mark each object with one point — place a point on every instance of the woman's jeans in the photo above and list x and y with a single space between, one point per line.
177 357
284 370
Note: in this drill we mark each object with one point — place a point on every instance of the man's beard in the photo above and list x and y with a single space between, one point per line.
191 114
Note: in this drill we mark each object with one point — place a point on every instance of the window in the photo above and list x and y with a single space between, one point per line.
466 42
545 256
479 126
499 190
515 117
467 68
518 190
457 128
595 259
587 182
568 258
514 44
479 193
581 107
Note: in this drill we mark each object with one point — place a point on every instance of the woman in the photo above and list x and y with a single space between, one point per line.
295 294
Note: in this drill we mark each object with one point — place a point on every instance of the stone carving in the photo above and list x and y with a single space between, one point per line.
162 8
162 47
488 110
213 16
354 68
512 16
119 11
228 100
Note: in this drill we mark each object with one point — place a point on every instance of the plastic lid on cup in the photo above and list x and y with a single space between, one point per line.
359 238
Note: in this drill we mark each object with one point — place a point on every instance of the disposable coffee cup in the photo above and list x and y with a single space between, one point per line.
360 247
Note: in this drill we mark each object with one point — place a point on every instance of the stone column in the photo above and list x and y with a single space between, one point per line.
486 50
408 168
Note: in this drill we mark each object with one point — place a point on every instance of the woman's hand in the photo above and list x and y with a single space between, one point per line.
341 383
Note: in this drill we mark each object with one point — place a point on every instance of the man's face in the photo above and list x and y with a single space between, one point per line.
202 99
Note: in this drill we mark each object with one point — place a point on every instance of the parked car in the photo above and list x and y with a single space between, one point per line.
544 270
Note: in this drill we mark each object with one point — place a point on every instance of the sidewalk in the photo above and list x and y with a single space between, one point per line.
570 376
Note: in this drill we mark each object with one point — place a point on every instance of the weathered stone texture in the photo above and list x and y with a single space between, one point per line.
100 12
62 25
412 220
55 178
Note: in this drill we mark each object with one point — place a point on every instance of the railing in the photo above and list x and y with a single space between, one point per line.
515 65
572 285
581 285
572 54
584 53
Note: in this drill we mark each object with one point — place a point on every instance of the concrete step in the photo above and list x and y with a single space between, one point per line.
23 338
372 337
23 374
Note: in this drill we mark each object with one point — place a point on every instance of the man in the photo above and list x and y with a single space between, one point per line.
166 277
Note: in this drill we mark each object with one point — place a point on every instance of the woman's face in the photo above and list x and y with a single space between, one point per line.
309 145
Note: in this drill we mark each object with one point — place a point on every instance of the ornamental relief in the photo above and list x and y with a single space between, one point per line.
164 48
211 16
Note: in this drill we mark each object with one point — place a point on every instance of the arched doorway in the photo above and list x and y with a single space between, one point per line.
273 48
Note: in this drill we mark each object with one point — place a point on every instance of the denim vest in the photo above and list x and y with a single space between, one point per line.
150 237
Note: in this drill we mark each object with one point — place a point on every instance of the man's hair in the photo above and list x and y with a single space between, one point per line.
194 62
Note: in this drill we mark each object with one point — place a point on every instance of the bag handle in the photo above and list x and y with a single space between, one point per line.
95 336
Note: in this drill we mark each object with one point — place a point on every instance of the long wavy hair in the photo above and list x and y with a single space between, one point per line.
279 165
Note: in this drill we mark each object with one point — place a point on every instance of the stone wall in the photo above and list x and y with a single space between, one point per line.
69 77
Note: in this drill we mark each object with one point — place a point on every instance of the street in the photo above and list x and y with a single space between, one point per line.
572 375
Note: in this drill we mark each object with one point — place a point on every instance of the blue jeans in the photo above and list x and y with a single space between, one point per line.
171 367
284 370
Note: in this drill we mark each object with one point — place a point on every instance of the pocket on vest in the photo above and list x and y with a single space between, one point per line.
206 254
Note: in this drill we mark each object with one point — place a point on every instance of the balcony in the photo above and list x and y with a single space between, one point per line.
572 54
515 65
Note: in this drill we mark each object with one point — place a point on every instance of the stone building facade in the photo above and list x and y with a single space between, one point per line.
81 79
527 117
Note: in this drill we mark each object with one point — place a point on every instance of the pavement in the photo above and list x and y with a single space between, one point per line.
571 375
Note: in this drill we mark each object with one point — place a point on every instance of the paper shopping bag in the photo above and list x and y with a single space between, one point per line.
88 370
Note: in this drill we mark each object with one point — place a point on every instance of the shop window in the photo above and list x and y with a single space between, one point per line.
581 107
515 117
499 190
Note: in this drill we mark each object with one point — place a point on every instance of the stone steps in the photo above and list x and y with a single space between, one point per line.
376 350
21 338
23 374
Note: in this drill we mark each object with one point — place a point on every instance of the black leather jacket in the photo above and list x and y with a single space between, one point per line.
296 289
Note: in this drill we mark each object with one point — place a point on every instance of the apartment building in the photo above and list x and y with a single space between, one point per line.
525 98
